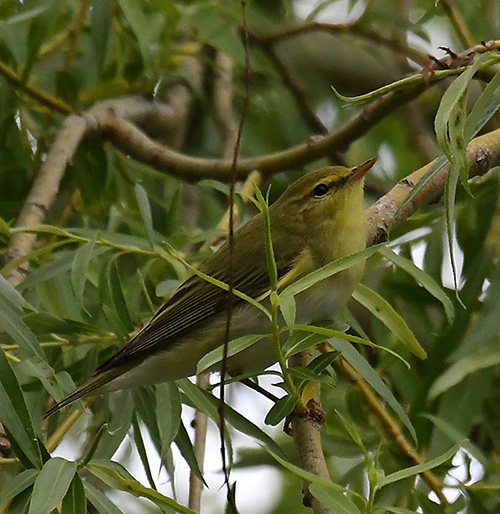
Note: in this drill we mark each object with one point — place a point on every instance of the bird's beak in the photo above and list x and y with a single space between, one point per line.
359 172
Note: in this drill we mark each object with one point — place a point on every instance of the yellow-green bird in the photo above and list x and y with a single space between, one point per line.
318 219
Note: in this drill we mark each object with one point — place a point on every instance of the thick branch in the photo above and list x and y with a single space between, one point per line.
128 138
307 441
483 152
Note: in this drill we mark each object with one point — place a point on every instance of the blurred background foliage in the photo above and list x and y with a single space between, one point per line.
101 266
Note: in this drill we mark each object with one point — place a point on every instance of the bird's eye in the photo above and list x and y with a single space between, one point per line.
320 190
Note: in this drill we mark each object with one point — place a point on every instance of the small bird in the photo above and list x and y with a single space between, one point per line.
318 219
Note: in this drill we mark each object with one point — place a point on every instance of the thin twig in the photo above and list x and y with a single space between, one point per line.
357 28
74 34
458 22
229 309
40 96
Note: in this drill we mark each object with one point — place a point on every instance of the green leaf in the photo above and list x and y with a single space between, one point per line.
357 361
209 404
335 500
118 427
145 208
9 294
80 269
424 279
100 29
484 108
311 477
99 500
288 308
116 476
416 470
18 484
354 435
327 333
113 297
281 409
300 341
457 436
74 501
471 363
328 270
141 450
139 22
185 446
211 359
383 311
17 329
14 413
450 119
51 485
168 413
321 362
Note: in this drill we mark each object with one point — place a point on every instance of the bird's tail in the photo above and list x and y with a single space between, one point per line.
91 386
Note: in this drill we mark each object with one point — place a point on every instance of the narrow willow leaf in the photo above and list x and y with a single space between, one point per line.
99 500
405 83
141 450
334 500
328 270
423 278
62 264
484 108
112 295
235 346
145 208
416 470
209 404
456 372
20 333
357 361
450 119
118 428
311 477
51 485
100 28
15 415
140 26
281 409
428 176
321 362
383 311
18 484
185 446
329 333
457 436
354 434
8 293
116 476
449 125
449 200
168 413
300 341
288 308
80 268
74 501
